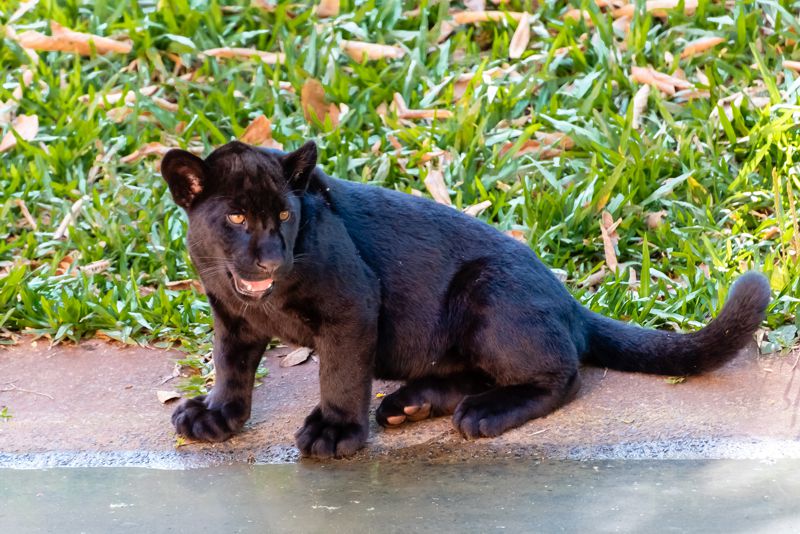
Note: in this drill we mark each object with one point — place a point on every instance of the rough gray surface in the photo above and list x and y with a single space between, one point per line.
95 404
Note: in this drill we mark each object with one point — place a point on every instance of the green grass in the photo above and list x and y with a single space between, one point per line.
725 184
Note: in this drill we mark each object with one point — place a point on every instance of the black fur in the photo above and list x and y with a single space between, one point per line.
384 284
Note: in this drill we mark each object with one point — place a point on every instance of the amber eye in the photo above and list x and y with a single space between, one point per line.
284 215
236 218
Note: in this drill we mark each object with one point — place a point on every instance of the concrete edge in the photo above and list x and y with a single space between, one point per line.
689 449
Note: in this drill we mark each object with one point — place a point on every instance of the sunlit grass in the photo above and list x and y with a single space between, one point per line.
723 181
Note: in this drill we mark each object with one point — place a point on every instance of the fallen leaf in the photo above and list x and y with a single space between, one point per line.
655 219
547 145
519 235
68 219
26 214
257 132
475 5
245 53
771 232
184 285
594 279
313 102
150 149
578 15
328 8
474 17
522 36
700 45
410 114
663 82
296 357
166 396
477 209
26 126
558 139
113 97
434 183
657 8
64 265
640 105
794 65
65 40
610 237
373 51
96 267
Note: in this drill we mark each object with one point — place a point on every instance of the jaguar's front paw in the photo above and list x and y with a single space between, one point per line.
201 419
322 437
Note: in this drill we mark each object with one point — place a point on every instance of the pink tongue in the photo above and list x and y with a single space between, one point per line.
260 285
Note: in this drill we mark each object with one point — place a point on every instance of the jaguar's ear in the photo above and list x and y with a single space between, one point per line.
298 166
186 175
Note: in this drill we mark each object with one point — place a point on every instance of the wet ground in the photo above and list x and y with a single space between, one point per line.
96 404
726 496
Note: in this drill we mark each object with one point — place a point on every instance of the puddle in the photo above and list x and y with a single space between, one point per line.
603 496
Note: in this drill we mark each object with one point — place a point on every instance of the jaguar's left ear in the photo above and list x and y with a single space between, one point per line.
298 166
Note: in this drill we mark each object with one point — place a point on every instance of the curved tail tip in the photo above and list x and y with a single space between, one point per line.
753 290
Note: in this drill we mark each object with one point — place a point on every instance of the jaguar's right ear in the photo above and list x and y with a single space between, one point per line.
186 175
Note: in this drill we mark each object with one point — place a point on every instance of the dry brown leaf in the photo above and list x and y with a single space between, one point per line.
96 267
312 100
578 15
64 265
633 281
657 8
245 53
258 132
150 149
700 45
434 183
655 219
373 51
547 145
26 126
475 17
65 40
119 114
410 114
68 219
519 235
296 357
522 36
328 8
663 82
771 232
640 105
166 396
794 65
558 139
477 209
109 99
610 237
595 279
165 104
26 214
184 285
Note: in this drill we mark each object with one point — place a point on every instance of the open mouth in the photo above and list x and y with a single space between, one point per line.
252 288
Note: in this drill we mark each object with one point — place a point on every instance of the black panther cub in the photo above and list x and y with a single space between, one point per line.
383 284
